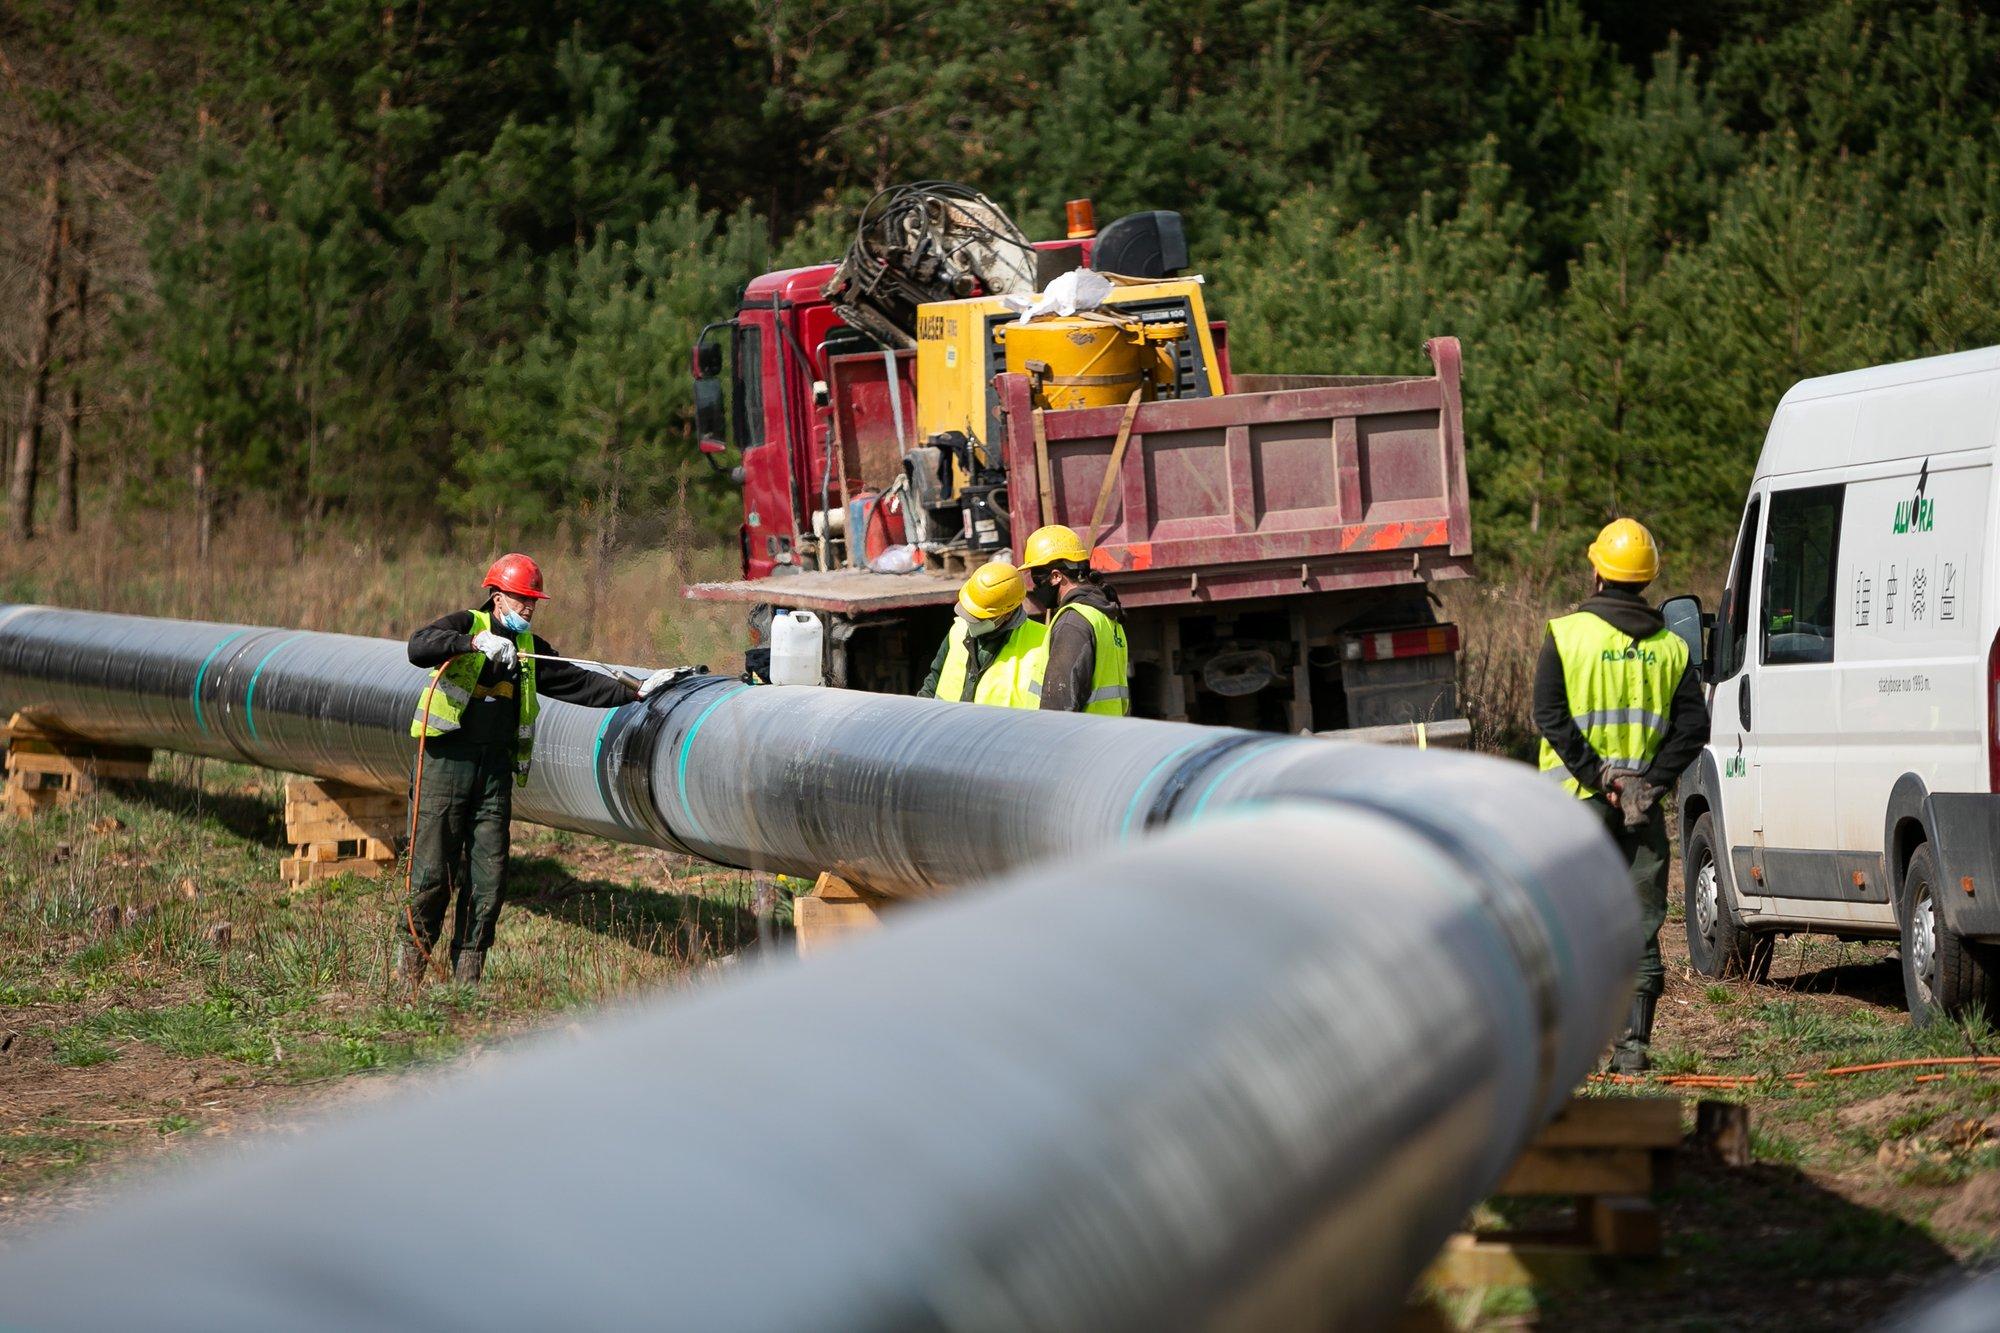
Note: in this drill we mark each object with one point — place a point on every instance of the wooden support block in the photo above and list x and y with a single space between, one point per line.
1472 1262
1722 1131
1621 1224
1580 1171
834 908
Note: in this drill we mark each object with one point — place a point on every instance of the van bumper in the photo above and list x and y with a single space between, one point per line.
1965 834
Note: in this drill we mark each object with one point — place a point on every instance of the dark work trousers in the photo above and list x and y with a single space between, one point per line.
1646 855
461 841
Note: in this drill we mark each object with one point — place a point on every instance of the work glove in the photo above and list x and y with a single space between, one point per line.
663 677
1634 797
501 652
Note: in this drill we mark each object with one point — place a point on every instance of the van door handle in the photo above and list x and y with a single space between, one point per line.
1743 701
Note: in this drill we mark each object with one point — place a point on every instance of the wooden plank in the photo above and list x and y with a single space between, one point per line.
344 830
31 761
1614 1122
361 804
1580 1171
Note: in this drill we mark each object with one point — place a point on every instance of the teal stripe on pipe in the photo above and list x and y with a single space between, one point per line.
681 761
199 720
597 753
250 694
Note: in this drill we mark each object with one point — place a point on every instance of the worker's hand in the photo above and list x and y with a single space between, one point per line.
1608 778
499 651
663 677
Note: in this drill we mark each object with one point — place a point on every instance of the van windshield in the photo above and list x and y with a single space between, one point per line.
1733 634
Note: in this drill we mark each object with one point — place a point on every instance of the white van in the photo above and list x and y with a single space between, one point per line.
1849 783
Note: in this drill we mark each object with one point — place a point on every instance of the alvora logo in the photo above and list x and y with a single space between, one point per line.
1915 514
1635 653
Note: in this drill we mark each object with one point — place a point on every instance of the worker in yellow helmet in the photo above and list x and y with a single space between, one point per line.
1088 666
994 650
1619 706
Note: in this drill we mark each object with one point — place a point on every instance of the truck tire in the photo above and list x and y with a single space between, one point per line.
1718 942
1944 975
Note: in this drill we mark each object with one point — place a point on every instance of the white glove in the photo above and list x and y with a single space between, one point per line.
664 676
499 651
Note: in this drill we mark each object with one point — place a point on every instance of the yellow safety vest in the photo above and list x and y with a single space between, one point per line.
1013 679
457 685
1620 689
1110 680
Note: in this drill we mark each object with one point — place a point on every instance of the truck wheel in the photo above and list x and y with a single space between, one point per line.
1944 974
1718 943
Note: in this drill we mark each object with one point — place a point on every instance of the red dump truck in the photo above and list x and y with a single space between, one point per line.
1273 538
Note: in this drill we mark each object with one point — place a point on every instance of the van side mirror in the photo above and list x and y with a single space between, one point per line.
1683 616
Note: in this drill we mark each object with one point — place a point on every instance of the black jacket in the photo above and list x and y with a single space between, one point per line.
1073 649
1687 723
492 718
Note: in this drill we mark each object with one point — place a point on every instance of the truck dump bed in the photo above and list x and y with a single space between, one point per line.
1351 483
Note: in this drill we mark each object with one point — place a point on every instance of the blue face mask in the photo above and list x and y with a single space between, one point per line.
514 622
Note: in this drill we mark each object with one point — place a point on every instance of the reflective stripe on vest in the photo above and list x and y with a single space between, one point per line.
457 684
1110 684
1620 691
1011 680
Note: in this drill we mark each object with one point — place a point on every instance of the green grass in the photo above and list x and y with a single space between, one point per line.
79 1049
302 990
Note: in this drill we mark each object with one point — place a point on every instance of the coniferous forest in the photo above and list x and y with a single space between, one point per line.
434 262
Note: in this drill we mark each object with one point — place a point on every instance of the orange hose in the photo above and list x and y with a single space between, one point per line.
1799 1078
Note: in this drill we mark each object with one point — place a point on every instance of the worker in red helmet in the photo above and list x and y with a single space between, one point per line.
477 721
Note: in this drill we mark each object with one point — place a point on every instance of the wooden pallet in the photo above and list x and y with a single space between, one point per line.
834 908
1607 1154
337 829
955 561
47 767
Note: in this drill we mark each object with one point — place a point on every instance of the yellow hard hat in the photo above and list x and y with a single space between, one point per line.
993 591
1055 542
1625 553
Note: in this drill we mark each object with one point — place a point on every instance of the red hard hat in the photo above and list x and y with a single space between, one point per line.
516 575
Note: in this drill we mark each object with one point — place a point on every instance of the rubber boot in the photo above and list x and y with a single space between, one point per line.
468 966
1633 1055
410 971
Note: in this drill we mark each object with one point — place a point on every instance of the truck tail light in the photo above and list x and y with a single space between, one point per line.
1993 716
1391 643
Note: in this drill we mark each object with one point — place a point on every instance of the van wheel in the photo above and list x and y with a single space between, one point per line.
1944 975
1718 944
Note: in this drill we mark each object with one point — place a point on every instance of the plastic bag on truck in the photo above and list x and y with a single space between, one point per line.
897 560
1078 289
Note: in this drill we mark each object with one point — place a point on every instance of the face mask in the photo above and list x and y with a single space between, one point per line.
514 622
1043 595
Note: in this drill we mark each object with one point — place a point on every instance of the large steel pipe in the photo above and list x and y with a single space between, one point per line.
1246 1074
907 796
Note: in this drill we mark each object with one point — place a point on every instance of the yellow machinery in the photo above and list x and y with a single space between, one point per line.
1149 334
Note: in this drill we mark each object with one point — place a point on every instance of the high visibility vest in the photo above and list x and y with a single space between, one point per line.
1110 680
457 685
1013 679
1620 689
